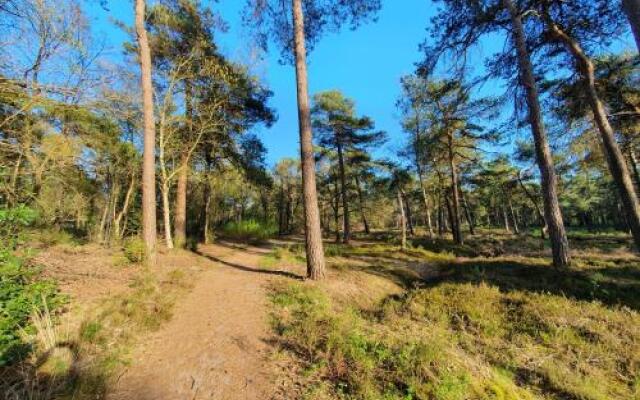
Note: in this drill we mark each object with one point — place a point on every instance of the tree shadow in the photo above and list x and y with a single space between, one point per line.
246 268
612 286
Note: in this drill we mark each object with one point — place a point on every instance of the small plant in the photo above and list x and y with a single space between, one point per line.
133 249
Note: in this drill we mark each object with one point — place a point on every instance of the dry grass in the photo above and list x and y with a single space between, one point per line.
439 324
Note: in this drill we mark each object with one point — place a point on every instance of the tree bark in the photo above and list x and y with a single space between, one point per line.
408 213
632 10
455 194
553 214
467 213
533 201
615 158
180 217
403 222
166 213
149 160
346 234
367 229
634 165
313 234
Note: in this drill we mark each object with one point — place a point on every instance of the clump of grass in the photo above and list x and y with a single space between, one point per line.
252 231
134 249
461 341
282 256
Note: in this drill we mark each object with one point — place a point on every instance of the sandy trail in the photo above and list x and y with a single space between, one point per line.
215 346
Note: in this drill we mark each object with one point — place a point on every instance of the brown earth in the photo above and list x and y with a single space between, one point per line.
217 344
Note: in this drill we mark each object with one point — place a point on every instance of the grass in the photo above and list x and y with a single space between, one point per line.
250 231
81 363
501 327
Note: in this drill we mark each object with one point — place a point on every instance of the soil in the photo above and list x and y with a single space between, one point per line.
217 345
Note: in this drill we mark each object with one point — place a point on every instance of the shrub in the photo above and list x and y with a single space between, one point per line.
133 249
22 292
249 230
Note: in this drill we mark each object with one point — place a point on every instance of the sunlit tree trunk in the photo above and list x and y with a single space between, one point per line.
363 213
615 158
403 222
346 235
467 213
553 214
166 213
455 194
313 233
149 160
180 218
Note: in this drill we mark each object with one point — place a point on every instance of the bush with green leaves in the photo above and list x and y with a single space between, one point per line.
249 230
133 250
21 290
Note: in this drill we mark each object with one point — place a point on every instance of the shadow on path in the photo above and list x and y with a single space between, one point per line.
245 268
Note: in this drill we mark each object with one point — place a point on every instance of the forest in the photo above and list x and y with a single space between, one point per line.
472 233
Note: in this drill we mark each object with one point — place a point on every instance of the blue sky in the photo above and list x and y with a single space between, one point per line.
365 64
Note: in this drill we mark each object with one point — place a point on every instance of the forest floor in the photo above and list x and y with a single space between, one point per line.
489 319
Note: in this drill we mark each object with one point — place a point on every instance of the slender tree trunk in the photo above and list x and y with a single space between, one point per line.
514 219
346 236
166 212
367 229
408 213
553 214
455 194
403 222
615 158
533 201
505 219
632 10
634 166
467 213
119 228
149 159
425 199
313 234
180 217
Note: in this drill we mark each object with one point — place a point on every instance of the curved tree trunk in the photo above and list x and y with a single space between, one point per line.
553 214
149 159
615 158
313 233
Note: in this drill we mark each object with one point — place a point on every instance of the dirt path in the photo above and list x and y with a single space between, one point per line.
215 346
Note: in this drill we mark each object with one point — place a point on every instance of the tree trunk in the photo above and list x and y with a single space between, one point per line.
425 199
505 219
313 234
553 214
455 194
166 212
533 201
403 222
514 219
367 229
180 218
149 159
634 165
467 213
408 213
119 227
346 235
614 156
632 10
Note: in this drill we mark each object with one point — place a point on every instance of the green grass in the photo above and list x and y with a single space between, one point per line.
483 328
251 231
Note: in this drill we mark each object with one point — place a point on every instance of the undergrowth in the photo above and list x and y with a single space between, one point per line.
252 231
491 335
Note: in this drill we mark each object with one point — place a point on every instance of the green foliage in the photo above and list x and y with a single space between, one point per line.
133 249
461 340
249 230
21 291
